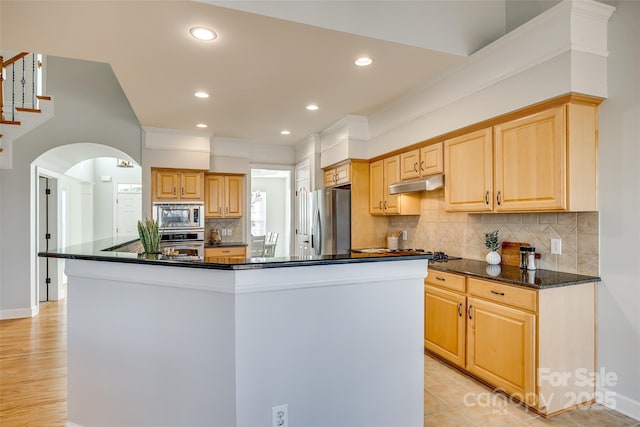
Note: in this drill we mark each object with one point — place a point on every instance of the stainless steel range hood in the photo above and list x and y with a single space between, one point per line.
424 184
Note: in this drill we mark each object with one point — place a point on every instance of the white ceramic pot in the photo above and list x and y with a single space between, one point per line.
493 258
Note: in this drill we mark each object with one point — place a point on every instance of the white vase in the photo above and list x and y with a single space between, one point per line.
493 258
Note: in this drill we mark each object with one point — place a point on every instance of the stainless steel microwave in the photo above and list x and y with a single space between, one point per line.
183 216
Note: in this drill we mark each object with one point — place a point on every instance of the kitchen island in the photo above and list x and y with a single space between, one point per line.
220 342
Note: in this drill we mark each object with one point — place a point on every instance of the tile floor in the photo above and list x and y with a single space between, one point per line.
453 399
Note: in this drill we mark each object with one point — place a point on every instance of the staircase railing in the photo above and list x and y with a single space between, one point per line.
20 81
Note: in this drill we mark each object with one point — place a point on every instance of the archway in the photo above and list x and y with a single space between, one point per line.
77 188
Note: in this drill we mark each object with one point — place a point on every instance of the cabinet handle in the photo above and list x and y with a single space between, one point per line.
469 312
385 205
174 191
422 165
220 210
498 197
182 191
226 210
415 167
380 204
486 198
459 309
497 293
442 279
335 178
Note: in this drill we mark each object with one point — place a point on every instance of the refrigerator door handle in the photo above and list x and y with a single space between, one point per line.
318 229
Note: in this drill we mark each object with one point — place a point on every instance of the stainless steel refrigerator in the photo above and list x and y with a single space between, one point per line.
331 221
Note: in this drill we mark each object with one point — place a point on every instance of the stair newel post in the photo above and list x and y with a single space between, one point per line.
1 87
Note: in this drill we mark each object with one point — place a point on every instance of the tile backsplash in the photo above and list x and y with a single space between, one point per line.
462 234
233 224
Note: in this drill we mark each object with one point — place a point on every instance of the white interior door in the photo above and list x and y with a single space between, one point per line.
303 214
43 234
128 212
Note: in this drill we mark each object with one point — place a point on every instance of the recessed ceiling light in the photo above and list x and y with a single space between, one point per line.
203 33
285 132
363 61
201 125
312 107
201 94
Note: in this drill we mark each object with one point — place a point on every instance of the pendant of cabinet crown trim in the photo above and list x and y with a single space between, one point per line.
546 161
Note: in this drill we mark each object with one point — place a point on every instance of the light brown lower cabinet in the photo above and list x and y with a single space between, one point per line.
226 252
535 345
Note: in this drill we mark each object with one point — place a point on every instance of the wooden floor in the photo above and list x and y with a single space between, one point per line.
33 368
33 385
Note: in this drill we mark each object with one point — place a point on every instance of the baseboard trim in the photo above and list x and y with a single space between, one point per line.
70 424
618 402
19 313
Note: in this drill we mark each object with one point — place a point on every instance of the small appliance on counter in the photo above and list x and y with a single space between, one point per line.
215 236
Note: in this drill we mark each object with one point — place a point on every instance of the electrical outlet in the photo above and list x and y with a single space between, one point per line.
280 416
404 234
556 246
229 232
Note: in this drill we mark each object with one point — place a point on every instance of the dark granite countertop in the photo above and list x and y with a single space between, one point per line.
208 244
106 251
536 279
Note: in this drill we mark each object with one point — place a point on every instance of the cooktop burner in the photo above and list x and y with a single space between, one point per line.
442 257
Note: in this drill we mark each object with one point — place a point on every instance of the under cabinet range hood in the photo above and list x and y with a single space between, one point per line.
424 184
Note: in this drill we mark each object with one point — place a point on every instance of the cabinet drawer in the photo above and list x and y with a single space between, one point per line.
506 294
235 251
454 282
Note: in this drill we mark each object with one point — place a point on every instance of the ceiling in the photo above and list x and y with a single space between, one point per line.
261 71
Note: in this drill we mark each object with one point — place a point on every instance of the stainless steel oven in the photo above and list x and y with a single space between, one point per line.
182 244
179 216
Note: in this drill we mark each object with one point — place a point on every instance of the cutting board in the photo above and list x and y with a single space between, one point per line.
511 252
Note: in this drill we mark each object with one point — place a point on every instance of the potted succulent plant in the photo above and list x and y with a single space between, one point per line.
149 236
492 243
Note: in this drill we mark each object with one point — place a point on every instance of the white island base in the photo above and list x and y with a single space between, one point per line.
340 344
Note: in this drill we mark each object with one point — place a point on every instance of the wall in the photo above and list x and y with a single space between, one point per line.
89 107
619 205
462 234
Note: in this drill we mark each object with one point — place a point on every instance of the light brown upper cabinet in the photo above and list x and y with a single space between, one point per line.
468 168
338 175
176 184
383 173
545 161
223 196
423 161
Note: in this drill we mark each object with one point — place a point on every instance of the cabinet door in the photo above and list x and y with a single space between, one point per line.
410 164
376 185
391 176
214 196
501 347
343 174
166 185
233 190
432 159
191 185
530 161
330 177
468 166
444 324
